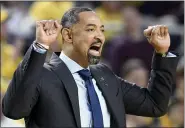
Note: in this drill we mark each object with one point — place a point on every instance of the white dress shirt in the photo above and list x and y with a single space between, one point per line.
85 113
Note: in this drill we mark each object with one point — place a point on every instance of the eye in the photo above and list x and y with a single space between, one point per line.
103 30
90 30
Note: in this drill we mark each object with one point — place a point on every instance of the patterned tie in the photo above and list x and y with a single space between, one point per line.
93 99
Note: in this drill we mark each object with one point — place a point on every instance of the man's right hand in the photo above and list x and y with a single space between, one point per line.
47 31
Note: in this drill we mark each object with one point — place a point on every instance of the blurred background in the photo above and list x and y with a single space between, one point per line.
126 51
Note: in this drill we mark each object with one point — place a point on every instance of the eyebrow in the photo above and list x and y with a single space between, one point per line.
102 26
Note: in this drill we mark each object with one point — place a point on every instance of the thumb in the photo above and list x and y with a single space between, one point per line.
39 26
154 33
148 31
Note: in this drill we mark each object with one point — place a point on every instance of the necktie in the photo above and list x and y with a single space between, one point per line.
93 98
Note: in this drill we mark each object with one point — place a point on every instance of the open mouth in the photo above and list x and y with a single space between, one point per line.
95 49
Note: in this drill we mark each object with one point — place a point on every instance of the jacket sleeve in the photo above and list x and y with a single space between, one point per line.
23 91
152 101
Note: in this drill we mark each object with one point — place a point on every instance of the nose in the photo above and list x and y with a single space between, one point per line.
100 36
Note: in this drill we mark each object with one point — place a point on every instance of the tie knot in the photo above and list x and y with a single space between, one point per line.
85 74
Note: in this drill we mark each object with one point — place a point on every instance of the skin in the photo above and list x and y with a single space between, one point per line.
79 38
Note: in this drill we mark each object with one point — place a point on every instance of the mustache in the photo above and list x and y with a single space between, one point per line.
97 41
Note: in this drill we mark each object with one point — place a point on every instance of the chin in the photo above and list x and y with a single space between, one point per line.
92 59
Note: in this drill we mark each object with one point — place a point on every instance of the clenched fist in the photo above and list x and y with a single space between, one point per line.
47 31
158 37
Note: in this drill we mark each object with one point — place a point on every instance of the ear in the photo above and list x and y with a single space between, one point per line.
67 35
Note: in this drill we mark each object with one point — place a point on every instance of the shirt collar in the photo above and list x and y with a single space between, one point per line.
71 64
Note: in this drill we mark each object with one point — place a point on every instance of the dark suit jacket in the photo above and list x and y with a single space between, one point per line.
46 95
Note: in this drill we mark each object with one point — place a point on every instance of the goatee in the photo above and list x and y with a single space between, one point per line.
93 59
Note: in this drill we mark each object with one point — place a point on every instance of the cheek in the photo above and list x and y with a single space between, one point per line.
83 40
84 44
87 41
90 38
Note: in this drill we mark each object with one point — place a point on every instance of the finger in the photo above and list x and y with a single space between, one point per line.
50 27
165 30
155 31
58 26
147 32
162 30
47 32
158 29
43 22
53 29
39 24
46 26
154 34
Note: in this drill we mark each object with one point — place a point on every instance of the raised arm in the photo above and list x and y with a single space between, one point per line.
153 101
23 91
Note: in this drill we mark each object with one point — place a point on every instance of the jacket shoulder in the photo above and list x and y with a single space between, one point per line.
102 66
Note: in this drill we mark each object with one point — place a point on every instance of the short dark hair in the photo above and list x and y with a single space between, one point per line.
71 16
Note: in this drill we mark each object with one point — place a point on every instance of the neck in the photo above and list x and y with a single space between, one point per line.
77 58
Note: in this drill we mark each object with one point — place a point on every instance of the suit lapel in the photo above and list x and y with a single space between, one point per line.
109 91
69 83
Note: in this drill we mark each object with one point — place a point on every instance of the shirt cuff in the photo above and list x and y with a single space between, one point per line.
39 50
45 46
170 55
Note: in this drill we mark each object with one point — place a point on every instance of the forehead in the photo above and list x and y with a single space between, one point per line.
89 17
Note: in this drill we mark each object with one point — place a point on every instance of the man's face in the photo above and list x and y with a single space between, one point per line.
88 37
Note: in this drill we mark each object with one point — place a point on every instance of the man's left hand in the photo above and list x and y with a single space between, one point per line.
158 37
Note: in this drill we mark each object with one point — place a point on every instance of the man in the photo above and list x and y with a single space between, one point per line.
68 92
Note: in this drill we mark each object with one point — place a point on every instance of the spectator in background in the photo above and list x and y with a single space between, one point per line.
179 92
180 13
176 114
8 65
50 10
8 61
19 27
129 44
135 71
4 16
160 8
109 12
90 4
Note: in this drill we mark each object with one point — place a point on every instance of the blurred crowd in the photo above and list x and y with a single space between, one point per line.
126 51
